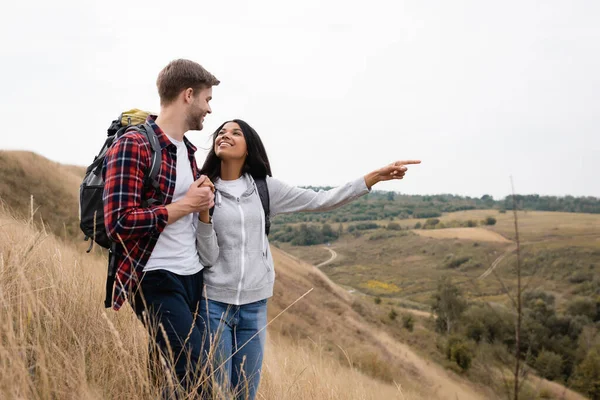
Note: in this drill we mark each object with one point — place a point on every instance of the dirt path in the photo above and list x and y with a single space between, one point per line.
333 257
496 262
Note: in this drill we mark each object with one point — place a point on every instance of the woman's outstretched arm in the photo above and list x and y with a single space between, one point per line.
285 198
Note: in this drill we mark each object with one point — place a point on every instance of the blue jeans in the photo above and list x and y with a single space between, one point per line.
170 301
234 329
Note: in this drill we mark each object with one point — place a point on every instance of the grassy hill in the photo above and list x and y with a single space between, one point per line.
51 188
59 342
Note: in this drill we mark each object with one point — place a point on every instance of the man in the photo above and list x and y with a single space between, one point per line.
158 267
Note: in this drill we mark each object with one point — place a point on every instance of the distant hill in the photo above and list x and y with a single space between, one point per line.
381 205
54 187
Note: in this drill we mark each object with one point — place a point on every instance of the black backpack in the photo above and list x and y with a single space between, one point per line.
91 205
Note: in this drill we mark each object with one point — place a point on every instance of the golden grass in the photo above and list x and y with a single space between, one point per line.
478 234
57 340
54 187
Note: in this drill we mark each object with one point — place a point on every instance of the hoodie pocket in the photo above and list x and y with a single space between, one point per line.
258 272
226 272
267 262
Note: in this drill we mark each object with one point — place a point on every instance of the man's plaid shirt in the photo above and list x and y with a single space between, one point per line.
126 165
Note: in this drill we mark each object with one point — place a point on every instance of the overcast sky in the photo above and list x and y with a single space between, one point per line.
478 90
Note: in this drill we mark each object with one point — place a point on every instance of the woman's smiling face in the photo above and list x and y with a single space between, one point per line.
230 142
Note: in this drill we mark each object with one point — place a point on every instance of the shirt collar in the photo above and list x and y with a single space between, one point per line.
164 140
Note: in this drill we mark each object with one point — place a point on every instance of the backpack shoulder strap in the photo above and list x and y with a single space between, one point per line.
263 193
152 176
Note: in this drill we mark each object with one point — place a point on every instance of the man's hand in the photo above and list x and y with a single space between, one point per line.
199 198
208 183
395 170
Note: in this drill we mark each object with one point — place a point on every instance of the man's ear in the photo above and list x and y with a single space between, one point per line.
188 95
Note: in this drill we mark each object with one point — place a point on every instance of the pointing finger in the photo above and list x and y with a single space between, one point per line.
407 162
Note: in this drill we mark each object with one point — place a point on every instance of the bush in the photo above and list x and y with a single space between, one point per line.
393 226
587 375
382 235
408 322
583 306
418 225
580 277
489 221
471 223
457 262
426 214
363 226
549 364
393 314
457 350
377 300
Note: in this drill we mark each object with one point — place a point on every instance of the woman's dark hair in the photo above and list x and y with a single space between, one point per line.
257 163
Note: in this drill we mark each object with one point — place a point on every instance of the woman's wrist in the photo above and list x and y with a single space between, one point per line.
204 216
371 179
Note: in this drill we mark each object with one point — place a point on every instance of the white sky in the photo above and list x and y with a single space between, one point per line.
479 90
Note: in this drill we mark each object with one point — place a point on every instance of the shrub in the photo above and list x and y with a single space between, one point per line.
583 306
418 225
408 322
587 375
580 277
549 364
393 314
431 223
457 262
457 350
393 226
377 300
489 221
426 214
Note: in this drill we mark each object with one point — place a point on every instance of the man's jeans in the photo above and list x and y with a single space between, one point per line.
172 301
234 329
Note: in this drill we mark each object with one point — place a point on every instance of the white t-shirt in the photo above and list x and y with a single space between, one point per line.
235 188
175 249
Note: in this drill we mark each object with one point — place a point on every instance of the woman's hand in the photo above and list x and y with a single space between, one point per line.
204 216
208 182
395 170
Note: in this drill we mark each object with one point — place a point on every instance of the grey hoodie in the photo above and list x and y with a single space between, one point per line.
235 246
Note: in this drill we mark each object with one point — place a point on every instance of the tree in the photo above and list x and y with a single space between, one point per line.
587 375
448 305
549 364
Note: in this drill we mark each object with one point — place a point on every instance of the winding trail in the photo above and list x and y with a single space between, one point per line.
496 262
333 257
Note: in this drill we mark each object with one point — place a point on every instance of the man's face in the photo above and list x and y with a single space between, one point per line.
198 108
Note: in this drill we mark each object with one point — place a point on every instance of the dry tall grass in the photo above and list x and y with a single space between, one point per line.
57 340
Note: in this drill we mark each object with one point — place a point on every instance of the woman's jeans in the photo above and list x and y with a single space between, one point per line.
237 347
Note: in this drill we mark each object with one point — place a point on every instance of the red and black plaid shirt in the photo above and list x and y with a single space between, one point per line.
126 165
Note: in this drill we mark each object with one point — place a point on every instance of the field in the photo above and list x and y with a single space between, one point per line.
564 246
57 341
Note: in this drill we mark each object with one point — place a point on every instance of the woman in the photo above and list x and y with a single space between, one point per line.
241 277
